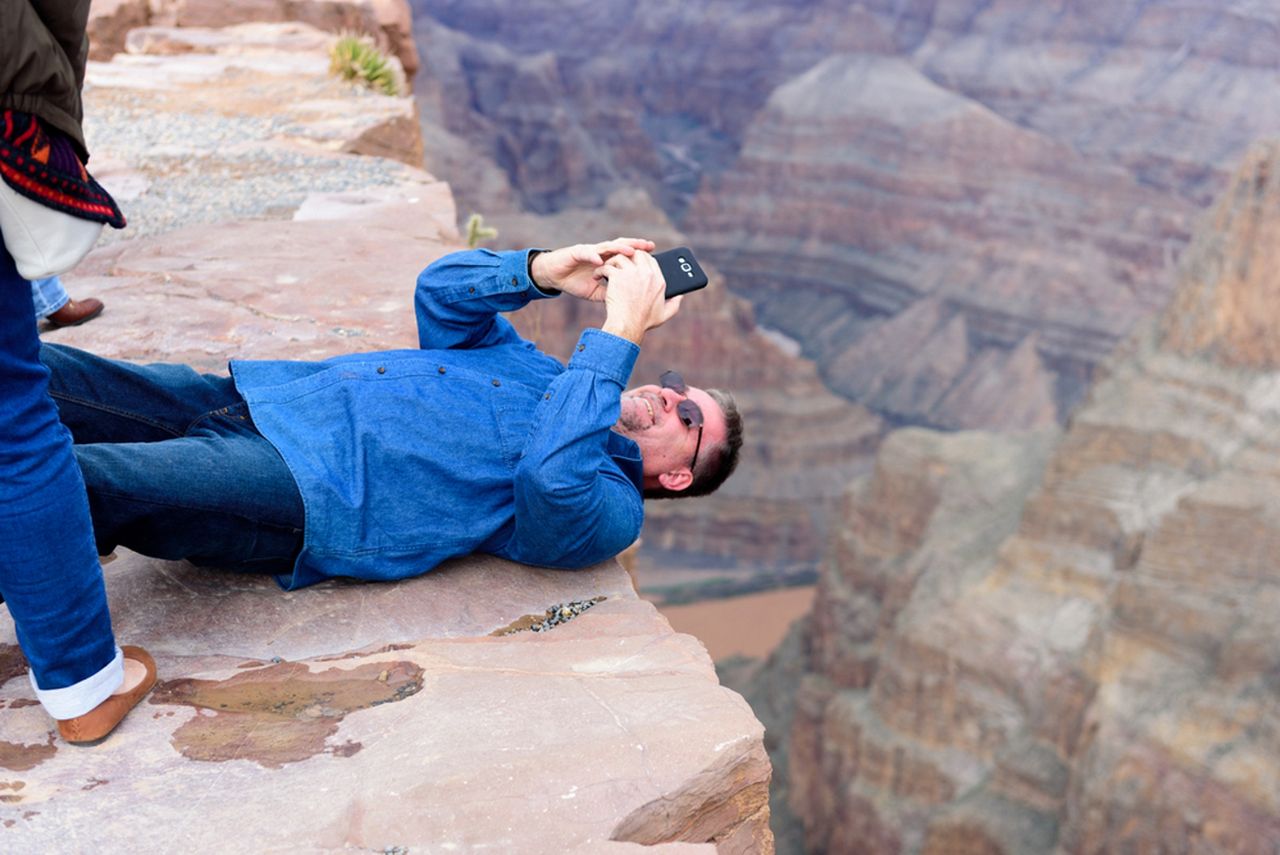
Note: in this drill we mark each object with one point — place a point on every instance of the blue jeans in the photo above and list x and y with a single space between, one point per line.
49 572
173 464
49 296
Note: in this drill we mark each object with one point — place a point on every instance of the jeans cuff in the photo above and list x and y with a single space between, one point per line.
79 698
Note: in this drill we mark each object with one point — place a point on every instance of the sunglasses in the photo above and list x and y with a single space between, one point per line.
687 411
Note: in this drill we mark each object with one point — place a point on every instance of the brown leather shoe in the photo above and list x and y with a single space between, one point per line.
76 312
97 724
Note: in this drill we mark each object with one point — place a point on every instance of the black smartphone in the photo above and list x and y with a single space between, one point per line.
681 271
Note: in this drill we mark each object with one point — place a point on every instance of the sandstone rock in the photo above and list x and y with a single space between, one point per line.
110 22
380 716
1226 309
237 123
381 127
1095 674
388 21
1036 168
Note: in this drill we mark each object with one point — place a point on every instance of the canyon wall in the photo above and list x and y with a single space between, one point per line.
958 207
1022 646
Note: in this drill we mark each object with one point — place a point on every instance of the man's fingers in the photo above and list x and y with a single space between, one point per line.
587 254
624 246
671 307
615 248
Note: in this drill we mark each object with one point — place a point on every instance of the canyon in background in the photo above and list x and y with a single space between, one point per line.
1045 628
955 208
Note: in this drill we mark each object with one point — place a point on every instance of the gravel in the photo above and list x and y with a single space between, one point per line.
558 614
203 167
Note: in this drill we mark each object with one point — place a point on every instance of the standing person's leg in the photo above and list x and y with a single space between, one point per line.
50 577
55 304
48 295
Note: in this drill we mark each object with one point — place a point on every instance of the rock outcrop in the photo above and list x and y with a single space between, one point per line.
388 22
1091 669
1011 180
393 717
484 705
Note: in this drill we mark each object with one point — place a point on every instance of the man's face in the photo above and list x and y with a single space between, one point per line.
667 445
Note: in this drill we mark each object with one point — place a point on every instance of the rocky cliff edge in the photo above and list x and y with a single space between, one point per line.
483 706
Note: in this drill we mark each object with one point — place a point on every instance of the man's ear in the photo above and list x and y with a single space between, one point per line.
677 479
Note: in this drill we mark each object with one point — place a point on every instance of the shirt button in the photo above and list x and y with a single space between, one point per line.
471 290
546 397
514 281
382 369
497 382
581 348
441 369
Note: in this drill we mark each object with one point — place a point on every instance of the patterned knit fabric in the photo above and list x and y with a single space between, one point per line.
42 165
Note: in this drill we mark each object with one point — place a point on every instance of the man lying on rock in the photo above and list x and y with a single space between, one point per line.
382 465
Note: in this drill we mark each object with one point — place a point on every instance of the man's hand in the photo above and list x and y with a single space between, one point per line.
635 296
573 269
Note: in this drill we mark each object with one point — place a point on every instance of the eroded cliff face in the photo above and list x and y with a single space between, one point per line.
941 199
1093 668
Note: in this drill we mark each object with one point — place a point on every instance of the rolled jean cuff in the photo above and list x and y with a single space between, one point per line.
79 698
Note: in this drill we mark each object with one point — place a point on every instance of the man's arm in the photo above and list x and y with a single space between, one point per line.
459 297
575 504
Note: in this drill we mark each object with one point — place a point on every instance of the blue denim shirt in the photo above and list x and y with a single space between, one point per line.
476 442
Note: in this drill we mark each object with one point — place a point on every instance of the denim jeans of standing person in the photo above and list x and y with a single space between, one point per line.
49 296
50 577
174 466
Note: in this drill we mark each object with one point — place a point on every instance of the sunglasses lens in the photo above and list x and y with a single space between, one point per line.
673 381
689 413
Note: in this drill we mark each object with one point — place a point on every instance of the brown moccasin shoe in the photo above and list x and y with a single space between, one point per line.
97 724
76 312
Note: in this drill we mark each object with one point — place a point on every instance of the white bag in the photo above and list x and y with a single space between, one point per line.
42 241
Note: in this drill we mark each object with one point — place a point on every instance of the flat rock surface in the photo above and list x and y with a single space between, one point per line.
370 716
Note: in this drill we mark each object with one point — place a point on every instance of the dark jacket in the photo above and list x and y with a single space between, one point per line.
43 49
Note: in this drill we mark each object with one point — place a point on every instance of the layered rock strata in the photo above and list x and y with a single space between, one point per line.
916 291
942 200
1096 669
422 715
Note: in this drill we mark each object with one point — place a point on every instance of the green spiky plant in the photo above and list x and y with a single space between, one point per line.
478 232
355 57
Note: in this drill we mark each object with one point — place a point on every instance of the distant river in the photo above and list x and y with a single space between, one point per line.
752 625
